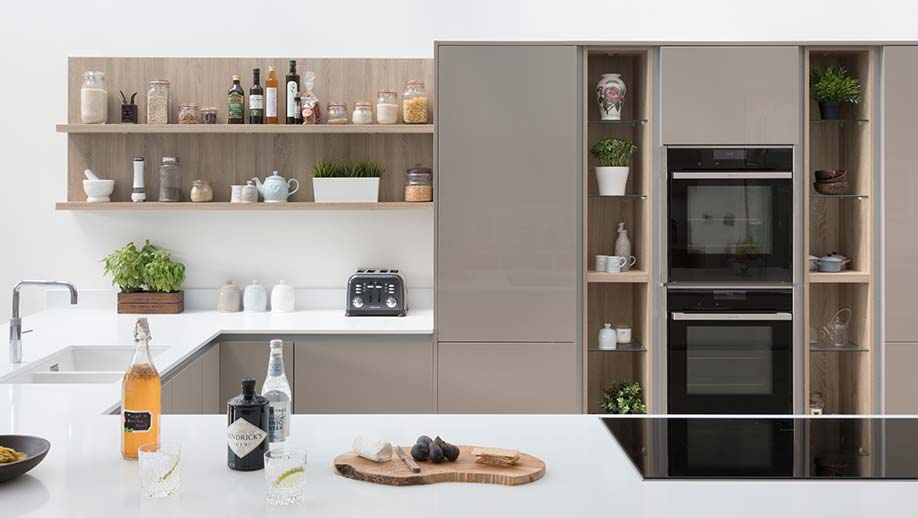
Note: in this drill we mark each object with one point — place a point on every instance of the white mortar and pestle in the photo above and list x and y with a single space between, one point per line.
97 190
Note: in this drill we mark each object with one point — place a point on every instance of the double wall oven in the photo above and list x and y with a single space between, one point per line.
730 277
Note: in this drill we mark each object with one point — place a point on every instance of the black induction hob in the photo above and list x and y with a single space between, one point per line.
779 448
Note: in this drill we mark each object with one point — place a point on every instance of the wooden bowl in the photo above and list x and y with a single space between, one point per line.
831 187
35 447
836 174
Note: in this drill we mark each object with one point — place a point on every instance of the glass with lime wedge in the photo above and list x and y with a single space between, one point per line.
285 475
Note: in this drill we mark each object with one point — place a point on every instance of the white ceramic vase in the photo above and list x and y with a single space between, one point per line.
612 180
283 298
610 94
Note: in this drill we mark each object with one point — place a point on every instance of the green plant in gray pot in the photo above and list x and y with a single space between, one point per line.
623 398
346 182
831 87
613 156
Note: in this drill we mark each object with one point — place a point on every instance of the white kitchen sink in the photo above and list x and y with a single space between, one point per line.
80 364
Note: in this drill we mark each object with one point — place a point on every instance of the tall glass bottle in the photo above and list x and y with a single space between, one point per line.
235 103
256 99
293 87
140 396
276 390
271 97
246 431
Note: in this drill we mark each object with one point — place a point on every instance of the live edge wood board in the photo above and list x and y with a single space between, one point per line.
226 157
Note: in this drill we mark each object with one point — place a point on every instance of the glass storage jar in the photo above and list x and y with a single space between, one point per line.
158 101
419 184
94 98
170 179
386 107
414 103
362 114
337 113
188 113
209 115
201 191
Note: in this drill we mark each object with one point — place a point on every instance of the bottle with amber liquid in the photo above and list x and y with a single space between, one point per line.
271 97
140 396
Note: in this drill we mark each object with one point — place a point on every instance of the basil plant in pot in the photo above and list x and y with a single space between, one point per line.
623 398
832 87
613 156
149 279
349 182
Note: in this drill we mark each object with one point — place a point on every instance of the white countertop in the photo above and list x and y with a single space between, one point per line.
587 475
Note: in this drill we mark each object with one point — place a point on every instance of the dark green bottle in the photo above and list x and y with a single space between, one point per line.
235 103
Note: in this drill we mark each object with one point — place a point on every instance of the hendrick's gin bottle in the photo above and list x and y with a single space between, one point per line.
246 433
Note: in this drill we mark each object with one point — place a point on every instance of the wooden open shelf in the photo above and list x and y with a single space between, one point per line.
245 129
847 276
240 207
629 276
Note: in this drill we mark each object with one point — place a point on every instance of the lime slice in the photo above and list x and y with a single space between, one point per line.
291 476
175 465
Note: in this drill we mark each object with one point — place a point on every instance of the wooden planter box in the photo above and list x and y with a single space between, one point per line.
151 303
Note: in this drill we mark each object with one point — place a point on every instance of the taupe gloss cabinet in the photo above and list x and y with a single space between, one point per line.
508 155
731 95
901 360
245 359
194 389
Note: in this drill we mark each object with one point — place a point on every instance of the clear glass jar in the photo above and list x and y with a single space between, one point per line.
414 103
419 184
362 114
94 98
158 101
170 179
201 191
337 113
386 107
188 113
209 115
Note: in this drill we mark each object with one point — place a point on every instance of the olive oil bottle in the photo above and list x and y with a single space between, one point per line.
235 103
256 99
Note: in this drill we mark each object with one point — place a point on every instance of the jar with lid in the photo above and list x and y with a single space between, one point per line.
419 184
188 113
337 113
158 101
363 113
414 103
201 191
209 115
386 107
170 179
94 98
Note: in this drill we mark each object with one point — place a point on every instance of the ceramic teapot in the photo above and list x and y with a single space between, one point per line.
276 188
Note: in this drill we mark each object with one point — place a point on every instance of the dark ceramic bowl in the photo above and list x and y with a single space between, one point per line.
831 187
833 175
35 447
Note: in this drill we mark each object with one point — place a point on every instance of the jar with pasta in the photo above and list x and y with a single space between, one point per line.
419 184
189 114
414 103
158 101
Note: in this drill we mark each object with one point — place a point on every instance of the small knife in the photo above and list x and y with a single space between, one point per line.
412 465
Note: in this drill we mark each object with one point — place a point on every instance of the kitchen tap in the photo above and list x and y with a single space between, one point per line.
16 321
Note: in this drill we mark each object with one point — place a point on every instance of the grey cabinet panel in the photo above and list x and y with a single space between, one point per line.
210 379
165 406
508 157
195 388
901 384
379 374
507 378
187 389
249 360
900 120
731 95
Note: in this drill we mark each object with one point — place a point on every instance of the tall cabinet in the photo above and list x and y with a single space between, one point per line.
507 225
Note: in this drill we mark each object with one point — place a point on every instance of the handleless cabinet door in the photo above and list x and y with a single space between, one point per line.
900 170
508 154
240 360
901 384
731 95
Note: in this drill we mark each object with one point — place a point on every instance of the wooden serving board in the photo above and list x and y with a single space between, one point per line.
464 469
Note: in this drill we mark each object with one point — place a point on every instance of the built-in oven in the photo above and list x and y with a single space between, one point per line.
730 214
730 351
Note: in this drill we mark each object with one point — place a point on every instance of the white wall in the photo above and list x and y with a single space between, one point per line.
309 250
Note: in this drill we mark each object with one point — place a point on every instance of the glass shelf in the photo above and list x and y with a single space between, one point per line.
840 196
634 347
829 348
626 122
838 121
621 196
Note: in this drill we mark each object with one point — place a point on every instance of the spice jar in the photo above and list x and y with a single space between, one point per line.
94 98
414 103
188 114
201 191
362 114
209 115
419 184
386 107
158 102
170 179
337 113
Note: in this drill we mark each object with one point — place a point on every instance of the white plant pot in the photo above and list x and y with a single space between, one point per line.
347 190
612 180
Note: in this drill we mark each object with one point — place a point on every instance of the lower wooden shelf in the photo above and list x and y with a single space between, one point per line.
847 276
629 276
226 206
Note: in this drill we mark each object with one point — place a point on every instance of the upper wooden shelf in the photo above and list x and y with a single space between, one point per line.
847 276
225 206
240 129
638 276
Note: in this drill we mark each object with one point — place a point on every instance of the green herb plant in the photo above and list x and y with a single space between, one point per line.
834 84
623 398
613 152
347 169
149 268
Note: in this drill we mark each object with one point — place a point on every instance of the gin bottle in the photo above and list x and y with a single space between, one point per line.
247 420
277 391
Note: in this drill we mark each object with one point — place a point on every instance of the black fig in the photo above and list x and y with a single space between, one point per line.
420 451
424 440
451 451
436 453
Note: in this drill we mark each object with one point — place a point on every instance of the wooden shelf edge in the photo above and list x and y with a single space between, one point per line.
237 129
633 276
247 207
846 277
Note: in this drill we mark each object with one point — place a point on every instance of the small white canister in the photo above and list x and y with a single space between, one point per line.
623 333
607 338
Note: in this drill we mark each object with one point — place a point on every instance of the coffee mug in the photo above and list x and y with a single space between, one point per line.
615 264
602 262
629 262
236 193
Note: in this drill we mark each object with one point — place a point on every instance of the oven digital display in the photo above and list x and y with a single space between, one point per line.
729 154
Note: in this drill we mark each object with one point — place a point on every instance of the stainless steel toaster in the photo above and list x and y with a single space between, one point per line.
376 292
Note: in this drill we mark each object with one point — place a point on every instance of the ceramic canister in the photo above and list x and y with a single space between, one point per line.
283 298
255 297
229 298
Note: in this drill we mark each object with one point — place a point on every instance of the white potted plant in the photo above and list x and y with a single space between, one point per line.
612 155
348 182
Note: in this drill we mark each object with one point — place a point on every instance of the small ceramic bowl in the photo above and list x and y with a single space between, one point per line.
836 175
35 447
831 187
98 191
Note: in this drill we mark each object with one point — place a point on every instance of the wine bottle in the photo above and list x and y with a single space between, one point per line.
140 396
271 97
246 435
235 103
256 99
276 390
293 86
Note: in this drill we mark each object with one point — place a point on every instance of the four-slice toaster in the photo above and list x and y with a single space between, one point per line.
376 292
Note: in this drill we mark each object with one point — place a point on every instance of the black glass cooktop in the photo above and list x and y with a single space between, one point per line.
769 448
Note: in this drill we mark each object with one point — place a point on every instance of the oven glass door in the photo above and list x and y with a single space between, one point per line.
730 227
730 363
731 448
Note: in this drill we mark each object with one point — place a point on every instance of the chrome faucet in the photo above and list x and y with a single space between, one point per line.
16 321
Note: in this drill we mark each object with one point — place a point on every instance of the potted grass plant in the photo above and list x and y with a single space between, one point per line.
623 398
149 279
613 156
348 182
831 88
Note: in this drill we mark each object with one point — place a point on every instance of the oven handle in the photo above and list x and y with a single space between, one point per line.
734 175
732 316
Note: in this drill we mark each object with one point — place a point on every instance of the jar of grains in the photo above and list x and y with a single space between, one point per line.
386 107
188 113
94 98
170 179
414 103
337 113
201 191
158 102
209 115
363 113
419 184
